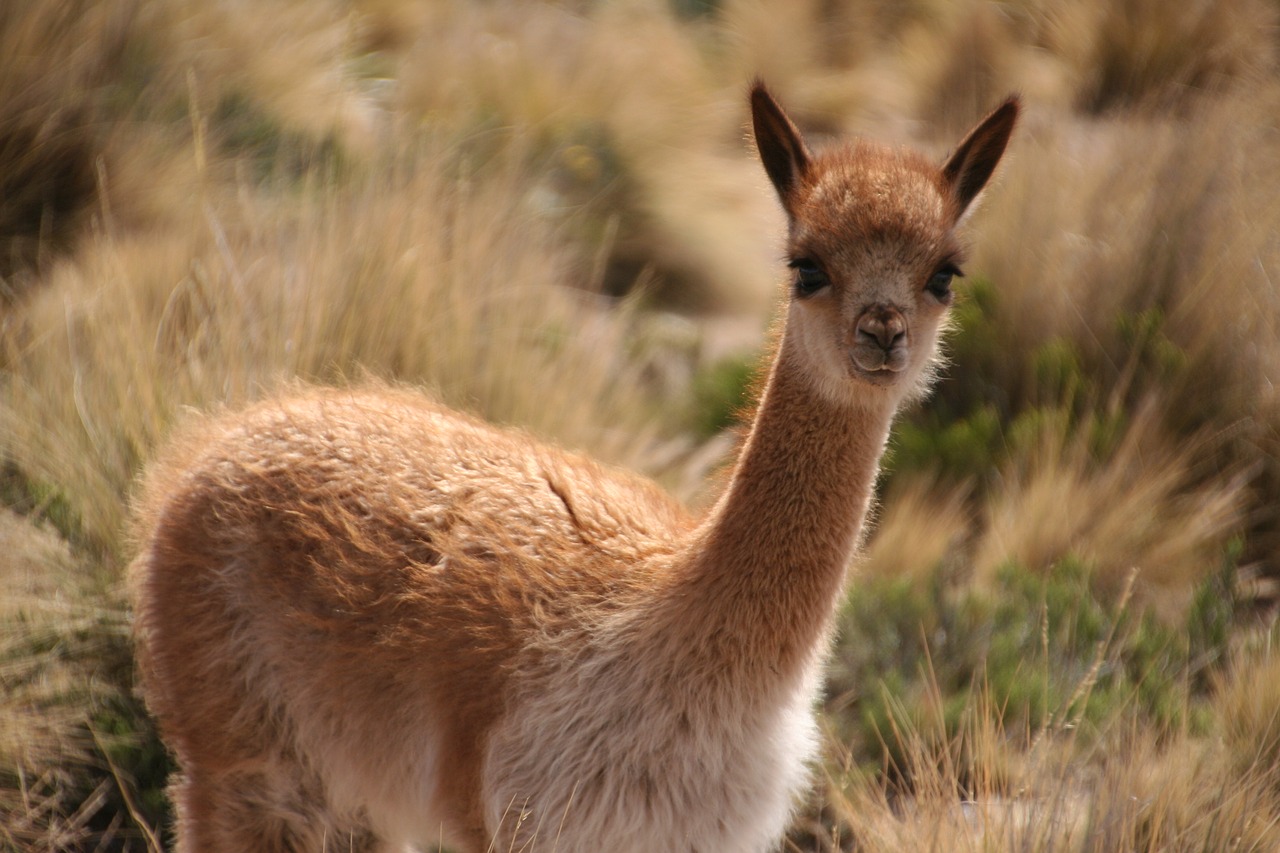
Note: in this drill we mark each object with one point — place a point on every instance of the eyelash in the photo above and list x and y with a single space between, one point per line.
939 283
809 277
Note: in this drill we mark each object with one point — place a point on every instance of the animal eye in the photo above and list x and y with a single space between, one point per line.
940 284
809 277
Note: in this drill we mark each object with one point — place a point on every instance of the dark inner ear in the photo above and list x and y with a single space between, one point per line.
783 152
970 167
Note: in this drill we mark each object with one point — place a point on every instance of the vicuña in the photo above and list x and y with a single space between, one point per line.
367 622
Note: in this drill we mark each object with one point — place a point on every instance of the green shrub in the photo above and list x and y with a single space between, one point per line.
1040 649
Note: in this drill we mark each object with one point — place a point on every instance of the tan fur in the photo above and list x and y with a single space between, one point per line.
366 621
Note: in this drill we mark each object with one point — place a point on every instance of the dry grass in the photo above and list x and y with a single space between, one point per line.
671 197
901 548
63 643
411 275
203 202
48 138
1134 791
1063 785
1142 507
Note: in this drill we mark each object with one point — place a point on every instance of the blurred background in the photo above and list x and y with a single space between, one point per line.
550 214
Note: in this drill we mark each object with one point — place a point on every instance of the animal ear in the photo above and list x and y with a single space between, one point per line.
783 152
969 168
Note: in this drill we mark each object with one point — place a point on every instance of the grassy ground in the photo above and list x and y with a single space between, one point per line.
1060 636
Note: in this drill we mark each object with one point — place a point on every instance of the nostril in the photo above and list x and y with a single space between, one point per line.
884 329
876 336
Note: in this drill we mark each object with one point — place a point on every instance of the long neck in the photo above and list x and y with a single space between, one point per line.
760 579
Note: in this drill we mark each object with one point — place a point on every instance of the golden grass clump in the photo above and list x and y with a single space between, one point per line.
1250 715
1148 54
900 548
1142 506
98 95
60 641
964 67
803 48
415 275
1050 790
49 139
663 200
1149 273
1093 220
32 733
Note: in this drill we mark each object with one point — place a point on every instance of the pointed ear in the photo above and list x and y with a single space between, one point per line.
783 152
969 168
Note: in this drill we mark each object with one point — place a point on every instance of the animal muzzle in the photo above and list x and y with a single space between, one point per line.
880 340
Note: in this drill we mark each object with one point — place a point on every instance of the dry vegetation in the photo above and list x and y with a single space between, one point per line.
546 213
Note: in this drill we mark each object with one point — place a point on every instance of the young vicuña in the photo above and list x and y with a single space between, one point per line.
365 621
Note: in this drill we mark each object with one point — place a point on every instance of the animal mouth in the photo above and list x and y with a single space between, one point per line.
879 365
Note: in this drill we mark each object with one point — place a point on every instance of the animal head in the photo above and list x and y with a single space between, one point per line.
872 248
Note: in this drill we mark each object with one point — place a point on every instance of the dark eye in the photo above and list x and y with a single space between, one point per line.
940 284
809 277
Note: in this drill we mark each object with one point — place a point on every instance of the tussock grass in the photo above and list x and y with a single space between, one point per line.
1049 646
72 741
668 194
962 775
1149 274
48 138
1142 507
1144 54
1142 793
900 548
413 275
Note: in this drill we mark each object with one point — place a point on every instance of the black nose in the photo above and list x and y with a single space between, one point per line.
882 326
